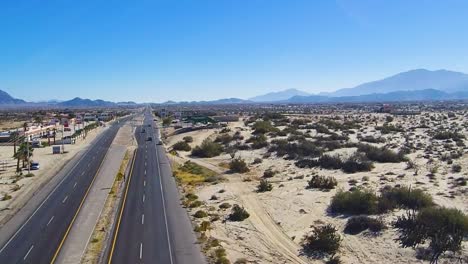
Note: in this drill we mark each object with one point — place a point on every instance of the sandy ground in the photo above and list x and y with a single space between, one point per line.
280 218
21 188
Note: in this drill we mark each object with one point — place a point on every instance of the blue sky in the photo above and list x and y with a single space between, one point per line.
207 49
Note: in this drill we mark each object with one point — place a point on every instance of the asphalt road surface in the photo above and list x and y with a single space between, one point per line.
40 237
152 226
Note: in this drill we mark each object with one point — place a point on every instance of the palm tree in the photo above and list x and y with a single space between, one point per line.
22 154
14 137
55 133
48 138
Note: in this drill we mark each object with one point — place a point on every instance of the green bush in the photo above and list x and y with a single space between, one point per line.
238 213
200 214
188 139
444 228
383 155
444 135
263 127
238 166
357 224
303 148
223 139
269 173
322 240
322 182
264 186
357 163
356 202
224 205
258 141
456 168
405 197
181 146
207 149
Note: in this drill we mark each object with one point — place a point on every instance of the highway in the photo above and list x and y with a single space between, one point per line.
39 238
152 226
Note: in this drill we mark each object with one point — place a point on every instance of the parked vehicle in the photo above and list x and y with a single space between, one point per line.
34 166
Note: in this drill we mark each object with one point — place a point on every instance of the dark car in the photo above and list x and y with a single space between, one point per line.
149 139
143 131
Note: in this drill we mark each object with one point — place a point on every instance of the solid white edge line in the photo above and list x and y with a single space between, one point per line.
164 205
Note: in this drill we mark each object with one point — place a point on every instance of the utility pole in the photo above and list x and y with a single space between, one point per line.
63 145
27 155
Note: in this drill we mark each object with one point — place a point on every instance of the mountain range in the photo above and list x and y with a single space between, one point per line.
413 85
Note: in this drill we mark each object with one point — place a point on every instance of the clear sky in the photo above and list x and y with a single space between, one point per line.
158 50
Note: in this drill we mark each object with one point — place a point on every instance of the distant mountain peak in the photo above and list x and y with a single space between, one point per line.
7 99
412 80
279 96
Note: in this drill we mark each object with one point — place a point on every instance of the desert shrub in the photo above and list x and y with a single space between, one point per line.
357 163
354 202
223 139
444 135
300 149
456 168
205 225
238 213
188 139
372 139
6 197
444 228
383 155
225 205
334 260
191 196
263 127
258 141
264 186
195 204
405 197
181 146
322 240
269 173
357 224
207 149
238 165
325 162
200 214
389 119
389 128
322 182
257 161
330 162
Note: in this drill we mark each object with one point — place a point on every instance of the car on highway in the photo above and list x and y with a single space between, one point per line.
143 130
149 139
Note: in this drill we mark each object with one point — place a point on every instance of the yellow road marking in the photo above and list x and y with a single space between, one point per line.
77 211
114 240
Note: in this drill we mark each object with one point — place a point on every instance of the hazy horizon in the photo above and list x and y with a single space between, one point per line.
154 51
